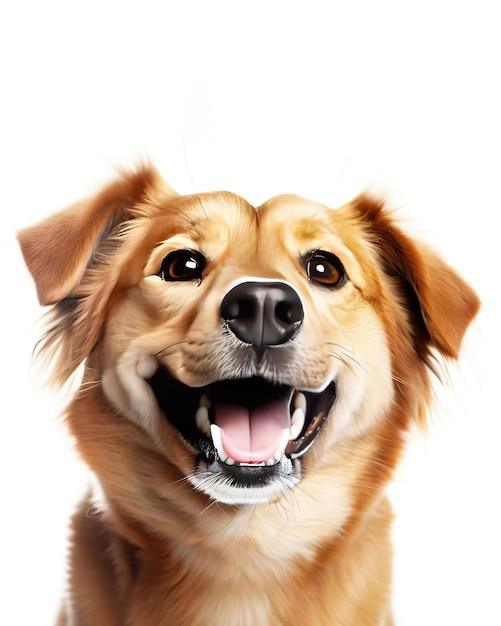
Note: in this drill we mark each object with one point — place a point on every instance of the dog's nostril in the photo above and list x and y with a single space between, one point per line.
289 312
239 308
263 314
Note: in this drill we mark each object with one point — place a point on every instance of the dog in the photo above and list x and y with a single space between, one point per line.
249 378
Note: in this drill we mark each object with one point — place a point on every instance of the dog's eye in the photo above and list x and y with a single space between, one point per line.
182 265
325 269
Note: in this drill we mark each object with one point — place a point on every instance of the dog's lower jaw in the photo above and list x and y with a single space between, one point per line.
216 482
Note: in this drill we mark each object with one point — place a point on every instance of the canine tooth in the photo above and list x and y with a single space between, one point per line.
279 453
218 444
300 401
202 419
283 441
297 423
205 401
283 444
275 459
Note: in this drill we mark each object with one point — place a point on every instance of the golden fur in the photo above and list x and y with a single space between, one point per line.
164 540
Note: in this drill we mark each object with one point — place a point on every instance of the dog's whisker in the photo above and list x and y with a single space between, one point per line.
291 499
170 349
349 363
406 383
199 341
89 384
348 359
279 508
173 488
182 479
209 506
307 493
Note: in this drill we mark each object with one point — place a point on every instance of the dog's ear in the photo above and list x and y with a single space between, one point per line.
70 258
441 302
58 250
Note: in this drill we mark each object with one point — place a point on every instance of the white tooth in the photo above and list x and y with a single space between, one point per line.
244 464
205 401
202 419
279 453
230 461
300 401
297 423
217 441
281 448
283 441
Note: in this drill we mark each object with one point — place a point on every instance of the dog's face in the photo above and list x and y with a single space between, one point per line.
249 345
252 331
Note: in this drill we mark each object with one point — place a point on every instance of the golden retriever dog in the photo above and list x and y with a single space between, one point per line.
250 375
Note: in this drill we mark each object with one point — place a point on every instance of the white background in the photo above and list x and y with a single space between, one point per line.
322 99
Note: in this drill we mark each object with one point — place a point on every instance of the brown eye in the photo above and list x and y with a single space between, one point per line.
182 265
325 269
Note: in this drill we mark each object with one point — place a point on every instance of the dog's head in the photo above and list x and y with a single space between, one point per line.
242 347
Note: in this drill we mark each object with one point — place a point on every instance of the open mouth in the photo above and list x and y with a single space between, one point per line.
244 423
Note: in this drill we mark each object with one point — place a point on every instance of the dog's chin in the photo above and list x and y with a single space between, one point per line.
248 435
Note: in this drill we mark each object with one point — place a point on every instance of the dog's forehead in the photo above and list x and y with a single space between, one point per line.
217 215
224 225
226 216
303 218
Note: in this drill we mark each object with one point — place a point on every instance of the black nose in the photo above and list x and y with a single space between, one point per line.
263 314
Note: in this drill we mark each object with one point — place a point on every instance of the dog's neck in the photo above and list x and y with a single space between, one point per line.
237 564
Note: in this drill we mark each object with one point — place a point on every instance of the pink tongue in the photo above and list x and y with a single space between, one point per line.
255 436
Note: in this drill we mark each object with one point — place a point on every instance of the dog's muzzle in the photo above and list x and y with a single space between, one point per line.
252 424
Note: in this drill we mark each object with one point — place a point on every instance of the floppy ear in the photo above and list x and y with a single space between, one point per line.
65 254
58 250
442 303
